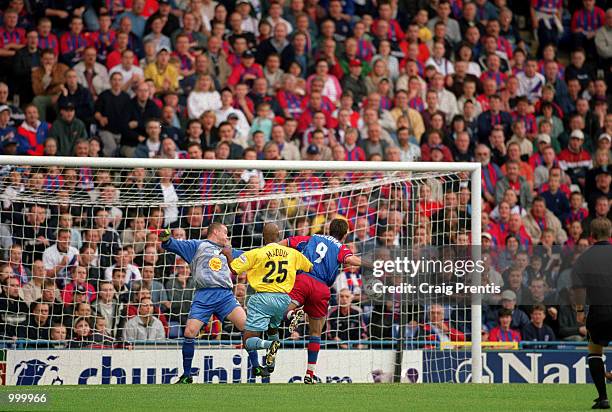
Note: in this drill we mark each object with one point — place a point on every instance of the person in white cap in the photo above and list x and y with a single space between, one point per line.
519 318
604 142
574 160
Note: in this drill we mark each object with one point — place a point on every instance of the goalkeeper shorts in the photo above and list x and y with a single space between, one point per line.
311 293
218 301
266 310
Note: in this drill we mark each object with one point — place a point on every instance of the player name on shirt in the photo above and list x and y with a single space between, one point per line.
277 252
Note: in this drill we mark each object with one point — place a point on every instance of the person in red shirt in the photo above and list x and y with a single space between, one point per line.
385 12
247 71
114 57
427 205
73 43
79 284
34 130
46 39
503 332
434 141
585 22
12 38
150 7
104 39
439 330
574 160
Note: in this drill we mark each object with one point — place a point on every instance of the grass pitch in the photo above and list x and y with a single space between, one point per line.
296 397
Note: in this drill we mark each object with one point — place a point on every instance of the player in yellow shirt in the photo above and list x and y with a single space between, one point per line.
271 271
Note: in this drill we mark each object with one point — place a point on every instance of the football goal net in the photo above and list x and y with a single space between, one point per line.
90 295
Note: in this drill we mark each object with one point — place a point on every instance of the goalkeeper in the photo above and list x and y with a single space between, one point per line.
213 282
271 271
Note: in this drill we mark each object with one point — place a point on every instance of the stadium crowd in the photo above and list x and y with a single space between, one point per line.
521 87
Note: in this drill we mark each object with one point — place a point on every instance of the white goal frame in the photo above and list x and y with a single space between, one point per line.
473 168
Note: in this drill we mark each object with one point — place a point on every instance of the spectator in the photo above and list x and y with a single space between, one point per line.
164 74
34 131
537 330
278 44
25 61
15 261
513 180
92 75
111 114
151 147
82 335
121 290
73 43
59 258
344 322
575 160
67 129
145 326
540 218
108 306
80 97
519 318
584 25
33 290
437 329
13 310
141 109
123 262
135 15
158 293
603 39
58 333
204 97
78 284
180 292
504 332
556 201
39 322
493 117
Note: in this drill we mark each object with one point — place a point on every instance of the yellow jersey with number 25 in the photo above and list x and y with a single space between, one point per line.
271 268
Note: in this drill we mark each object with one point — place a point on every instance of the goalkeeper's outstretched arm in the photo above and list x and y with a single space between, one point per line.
186 249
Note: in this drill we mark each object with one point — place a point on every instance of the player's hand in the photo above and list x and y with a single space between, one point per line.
164 235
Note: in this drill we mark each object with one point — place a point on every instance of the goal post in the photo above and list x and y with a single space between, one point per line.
393 200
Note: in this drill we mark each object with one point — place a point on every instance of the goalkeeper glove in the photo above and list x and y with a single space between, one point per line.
164 236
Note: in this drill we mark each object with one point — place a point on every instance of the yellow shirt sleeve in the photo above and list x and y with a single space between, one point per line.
244 262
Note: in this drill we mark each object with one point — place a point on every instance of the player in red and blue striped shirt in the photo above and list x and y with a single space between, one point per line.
311 290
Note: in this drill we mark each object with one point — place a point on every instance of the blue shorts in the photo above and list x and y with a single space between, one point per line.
266 310
218 301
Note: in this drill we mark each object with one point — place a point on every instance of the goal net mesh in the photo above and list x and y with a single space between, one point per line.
83 268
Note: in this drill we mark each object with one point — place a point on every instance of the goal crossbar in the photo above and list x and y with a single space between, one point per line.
43 161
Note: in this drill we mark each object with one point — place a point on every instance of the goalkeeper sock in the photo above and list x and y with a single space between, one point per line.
598 373
314 345
188 349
